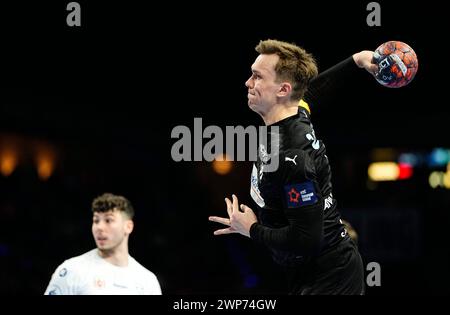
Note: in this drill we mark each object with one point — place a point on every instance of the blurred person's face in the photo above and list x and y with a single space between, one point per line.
110 229
262 88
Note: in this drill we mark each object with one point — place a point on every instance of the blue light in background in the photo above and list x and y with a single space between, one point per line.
412 159
438 157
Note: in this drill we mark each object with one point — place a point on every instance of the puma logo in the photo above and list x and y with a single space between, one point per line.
291 159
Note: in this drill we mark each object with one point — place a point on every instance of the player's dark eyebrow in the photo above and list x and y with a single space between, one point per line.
106 214
256 72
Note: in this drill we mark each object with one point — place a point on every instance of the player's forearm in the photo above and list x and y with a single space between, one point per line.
304 233
329 80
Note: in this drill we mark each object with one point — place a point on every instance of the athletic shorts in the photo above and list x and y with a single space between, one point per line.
338 271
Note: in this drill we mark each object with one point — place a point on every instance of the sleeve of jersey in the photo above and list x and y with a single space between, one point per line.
154 288
302 208
331 80
63 281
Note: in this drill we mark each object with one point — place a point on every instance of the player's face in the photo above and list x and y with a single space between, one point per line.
110 229
262 88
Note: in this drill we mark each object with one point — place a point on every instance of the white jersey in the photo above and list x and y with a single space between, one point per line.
89 274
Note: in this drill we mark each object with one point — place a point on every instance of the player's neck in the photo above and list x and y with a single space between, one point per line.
117 256
279 112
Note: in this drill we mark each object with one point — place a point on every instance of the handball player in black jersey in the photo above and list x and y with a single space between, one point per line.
297 218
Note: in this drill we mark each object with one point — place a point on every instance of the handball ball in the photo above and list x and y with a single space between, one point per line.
397 64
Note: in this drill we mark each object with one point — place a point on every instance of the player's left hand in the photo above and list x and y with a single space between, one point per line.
238 221
363 59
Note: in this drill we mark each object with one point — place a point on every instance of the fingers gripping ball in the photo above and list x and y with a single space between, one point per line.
397 63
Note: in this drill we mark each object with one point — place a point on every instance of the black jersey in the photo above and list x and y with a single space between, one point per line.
298 218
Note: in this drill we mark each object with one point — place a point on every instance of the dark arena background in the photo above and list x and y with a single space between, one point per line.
90 109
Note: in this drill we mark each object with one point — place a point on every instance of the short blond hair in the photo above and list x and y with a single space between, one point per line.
295 65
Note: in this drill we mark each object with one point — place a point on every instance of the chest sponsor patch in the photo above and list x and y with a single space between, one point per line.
254 189
299 195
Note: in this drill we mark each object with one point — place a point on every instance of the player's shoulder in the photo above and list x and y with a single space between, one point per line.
293 158
148 279
298 131
141 269
298 177
85 257
76 262
296 165
68 274
299 121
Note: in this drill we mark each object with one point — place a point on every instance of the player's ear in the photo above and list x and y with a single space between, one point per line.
129 225
285 89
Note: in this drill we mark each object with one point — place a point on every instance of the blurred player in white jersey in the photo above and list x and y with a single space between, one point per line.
107 269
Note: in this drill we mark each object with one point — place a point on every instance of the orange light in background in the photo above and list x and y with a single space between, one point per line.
45 160
45 167
8 162
383 154
383 171
222 164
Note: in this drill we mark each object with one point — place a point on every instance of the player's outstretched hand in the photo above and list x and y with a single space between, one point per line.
363 59
238 221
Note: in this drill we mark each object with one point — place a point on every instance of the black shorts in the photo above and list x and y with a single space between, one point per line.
338 271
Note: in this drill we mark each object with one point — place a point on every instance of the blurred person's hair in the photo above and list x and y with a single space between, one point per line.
109 202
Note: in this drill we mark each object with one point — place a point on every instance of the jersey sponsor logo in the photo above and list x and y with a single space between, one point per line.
293 195
263 155
99 283
288 159
63 272
299 195
254 189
